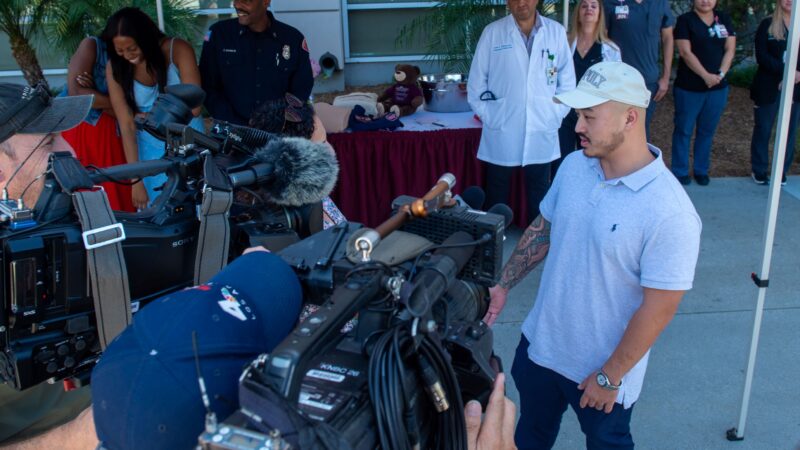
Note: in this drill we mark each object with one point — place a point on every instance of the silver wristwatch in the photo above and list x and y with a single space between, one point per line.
605 383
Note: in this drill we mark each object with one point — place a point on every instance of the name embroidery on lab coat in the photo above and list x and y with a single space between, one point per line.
501 47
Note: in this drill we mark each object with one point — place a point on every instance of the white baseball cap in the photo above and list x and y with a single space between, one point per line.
607 81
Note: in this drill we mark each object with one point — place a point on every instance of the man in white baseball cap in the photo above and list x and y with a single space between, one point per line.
623 239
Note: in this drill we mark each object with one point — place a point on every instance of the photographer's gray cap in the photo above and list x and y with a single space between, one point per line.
32 110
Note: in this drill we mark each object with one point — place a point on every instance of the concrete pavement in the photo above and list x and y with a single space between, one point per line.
693 388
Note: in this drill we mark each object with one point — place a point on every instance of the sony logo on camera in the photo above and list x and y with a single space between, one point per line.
181 242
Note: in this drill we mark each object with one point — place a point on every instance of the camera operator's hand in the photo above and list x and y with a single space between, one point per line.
498 296
139 195
497 430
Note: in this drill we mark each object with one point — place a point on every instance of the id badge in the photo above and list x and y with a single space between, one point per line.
721 31
621 12
551 72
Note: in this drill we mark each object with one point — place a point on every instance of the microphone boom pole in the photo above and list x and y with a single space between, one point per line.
436 198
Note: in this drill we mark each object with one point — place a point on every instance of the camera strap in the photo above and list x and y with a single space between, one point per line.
213 239
108 274
102 237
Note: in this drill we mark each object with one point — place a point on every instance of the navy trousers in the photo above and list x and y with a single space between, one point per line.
544 396
764 121
498 185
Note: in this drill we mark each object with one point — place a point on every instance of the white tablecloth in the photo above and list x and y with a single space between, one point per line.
423 120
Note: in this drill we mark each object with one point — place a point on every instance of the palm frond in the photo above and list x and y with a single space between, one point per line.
80 18
450 31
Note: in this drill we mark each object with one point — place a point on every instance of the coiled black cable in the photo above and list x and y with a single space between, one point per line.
395 413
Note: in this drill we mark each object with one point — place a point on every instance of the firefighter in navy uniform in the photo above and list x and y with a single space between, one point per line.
250 60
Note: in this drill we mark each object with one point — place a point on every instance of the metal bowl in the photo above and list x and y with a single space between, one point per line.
445 92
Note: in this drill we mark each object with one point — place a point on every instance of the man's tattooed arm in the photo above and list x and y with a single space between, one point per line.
530 251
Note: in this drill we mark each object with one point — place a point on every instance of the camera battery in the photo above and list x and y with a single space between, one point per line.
336 380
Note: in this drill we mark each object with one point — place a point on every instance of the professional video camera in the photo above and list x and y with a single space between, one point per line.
397 375
48 326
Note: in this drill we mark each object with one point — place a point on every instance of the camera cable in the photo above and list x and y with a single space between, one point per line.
395 408
39 177
484 239
27 158
113 179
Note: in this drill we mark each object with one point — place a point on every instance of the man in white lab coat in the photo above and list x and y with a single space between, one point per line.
520 63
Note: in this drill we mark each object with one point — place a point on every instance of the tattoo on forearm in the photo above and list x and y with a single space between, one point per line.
530 251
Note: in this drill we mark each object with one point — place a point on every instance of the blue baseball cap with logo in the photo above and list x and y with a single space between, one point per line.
145 391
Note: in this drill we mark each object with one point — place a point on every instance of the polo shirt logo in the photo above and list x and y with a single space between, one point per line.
613 228
594 78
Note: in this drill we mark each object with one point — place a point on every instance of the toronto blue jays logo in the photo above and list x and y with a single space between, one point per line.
232 305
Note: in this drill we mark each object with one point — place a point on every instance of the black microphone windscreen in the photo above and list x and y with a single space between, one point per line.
303 171
502 209
190 94
474 197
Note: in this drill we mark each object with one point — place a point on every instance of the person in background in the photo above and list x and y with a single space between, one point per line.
142 62
250 60
640 28
96 140
590 45
770 42
292 118
706 42
520 62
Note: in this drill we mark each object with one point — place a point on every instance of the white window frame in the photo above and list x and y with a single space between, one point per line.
347 7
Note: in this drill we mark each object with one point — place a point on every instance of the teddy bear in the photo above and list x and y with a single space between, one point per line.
403 97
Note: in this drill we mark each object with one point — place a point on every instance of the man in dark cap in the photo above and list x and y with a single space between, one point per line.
31 122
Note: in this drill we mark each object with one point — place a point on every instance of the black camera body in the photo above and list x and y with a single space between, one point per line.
48 327
48 313
330 376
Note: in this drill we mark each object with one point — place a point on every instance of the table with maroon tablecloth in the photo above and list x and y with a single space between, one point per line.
378 166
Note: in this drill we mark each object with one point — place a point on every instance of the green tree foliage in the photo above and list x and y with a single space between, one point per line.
451 30
77 19
21 20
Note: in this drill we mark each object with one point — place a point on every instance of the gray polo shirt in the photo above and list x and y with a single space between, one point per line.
609 240
638 33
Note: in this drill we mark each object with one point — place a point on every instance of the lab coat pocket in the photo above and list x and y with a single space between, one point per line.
546 116
496 114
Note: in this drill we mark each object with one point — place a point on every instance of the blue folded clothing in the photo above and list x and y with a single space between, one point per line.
360 121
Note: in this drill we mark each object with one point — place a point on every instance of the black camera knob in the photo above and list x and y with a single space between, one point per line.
80 345
62 350
474 332
45 356
69 362
52 367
